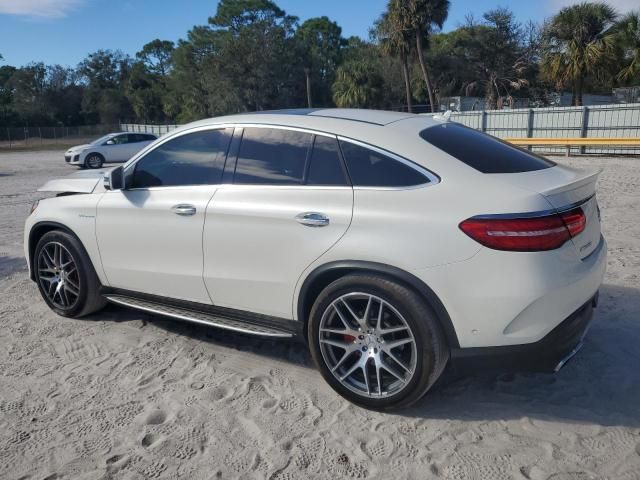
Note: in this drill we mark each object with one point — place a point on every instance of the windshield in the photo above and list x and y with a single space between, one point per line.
102 139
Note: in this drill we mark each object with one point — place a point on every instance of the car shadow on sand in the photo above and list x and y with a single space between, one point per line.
600 385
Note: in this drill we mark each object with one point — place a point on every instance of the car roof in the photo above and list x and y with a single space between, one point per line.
135 133
375 117
319 116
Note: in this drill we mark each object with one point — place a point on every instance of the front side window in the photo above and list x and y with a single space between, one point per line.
369 168
272 156
120 139
192 159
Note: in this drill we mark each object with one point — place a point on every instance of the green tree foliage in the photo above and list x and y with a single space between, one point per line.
579 41
146 82
395 41
320 41
252 55
254 42
104 73
156 57
628 40
420 18
358 85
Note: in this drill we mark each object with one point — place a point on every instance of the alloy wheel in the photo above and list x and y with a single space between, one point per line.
58 275
93 161
367 345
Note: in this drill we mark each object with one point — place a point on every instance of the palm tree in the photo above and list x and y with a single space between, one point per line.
357 85
421 17
395 42
628 33
500 61
579 41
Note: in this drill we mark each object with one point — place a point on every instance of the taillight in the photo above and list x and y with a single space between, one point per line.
575 221
526 234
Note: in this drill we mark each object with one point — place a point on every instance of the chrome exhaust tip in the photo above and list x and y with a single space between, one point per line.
567 357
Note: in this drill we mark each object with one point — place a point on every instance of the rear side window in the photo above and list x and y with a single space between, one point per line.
325 165
484 153
369 168
140 137
272 156
192 159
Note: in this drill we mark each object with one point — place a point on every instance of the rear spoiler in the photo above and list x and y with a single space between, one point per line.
581 179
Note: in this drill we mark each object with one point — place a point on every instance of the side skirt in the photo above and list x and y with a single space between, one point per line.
210 315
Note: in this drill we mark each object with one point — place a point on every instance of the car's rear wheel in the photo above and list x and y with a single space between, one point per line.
94 160
376 342
65 276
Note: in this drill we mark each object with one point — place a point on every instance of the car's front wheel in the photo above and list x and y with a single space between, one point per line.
94 160
65 276
376 342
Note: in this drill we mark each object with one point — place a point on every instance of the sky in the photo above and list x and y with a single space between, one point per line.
66 31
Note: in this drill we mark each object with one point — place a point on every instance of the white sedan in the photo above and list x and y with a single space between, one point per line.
114 147
390 243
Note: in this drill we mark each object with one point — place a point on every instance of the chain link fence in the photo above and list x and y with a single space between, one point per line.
32 137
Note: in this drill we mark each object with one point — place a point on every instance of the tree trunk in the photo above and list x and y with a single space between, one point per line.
490 98
579 89
307 74
425 72
407 83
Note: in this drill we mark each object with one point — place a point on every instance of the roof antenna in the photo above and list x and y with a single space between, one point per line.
444 117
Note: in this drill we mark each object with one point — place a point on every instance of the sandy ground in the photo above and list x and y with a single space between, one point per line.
126 395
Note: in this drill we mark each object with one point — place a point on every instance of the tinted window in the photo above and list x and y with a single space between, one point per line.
193 159
369 168
120 139
139 137
325 167
482 152
272 156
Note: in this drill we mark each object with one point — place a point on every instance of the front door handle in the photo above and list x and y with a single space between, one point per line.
313 219
184 209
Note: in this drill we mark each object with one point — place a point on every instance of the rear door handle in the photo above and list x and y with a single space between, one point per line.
313 219
184 209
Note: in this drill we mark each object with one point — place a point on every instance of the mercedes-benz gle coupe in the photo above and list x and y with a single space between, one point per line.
390 243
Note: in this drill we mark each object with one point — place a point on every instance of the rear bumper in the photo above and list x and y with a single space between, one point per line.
548 354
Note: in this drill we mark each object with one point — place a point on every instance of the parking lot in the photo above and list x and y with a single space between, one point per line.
122 394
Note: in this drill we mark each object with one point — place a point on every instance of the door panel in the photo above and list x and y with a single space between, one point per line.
255 248
151 242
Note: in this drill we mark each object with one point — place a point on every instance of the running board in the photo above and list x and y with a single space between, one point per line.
197 317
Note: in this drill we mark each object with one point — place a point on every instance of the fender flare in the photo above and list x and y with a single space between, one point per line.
333 270
47 226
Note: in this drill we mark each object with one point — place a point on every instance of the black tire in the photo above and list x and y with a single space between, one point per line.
93 160
431 350
88 298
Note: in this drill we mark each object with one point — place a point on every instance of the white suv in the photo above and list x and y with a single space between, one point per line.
389 242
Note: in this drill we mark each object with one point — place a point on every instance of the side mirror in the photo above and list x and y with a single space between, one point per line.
110 142
114 180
